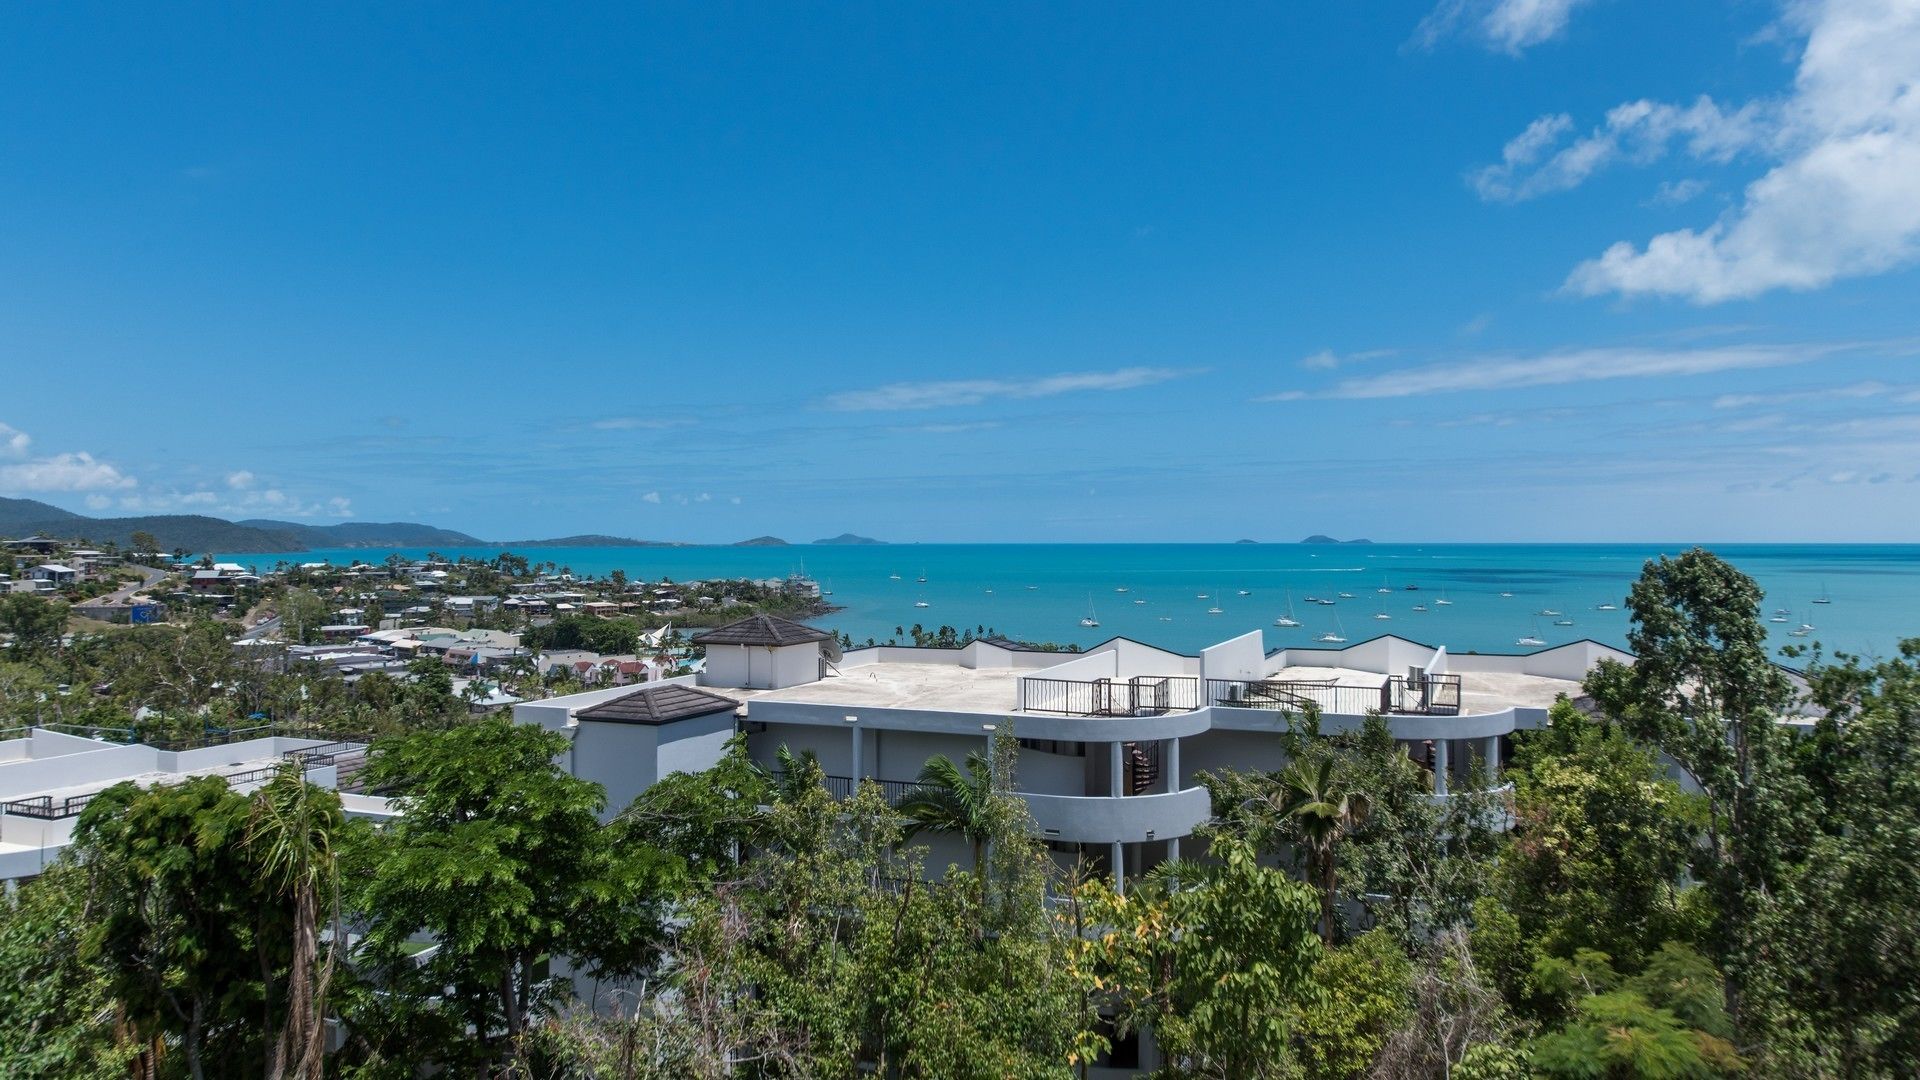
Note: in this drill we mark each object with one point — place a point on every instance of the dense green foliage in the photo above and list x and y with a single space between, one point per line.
1667 882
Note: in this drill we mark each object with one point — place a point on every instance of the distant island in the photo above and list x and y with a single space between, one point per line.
761 541
849 539
1246 541
1318 538
197 532
589 540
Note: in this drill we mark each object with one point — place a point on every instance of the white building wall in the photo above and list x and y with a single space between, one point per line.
1243 657
618 757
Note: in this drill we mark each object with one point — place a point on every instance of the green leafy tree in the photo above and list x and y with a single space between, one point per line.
1601 843
1364 994
1219 962
56 1013
949 800
35 623
1665 1024
1704 692
499 857
1844 939
173 897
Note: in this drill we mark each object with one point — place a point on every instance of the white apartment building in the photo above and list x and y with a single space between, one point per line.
1111 740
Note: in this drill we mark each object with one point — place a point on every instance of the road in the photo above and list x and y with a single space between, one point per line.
150 576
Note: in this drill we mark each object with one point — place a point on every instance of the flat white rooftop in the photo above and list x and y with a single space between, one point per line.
1480 691
953 688
904 685
156 777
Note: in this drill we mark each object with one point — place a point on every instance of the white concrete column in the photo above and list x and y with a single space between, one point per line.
859 769
1115 785
1119 868
1492 759
1173 849
1172 764
1439 766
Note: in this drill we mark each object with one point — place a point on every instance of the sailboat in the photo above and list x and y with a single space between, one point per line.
1823 598
1332 637
1443 601
921 603
1563 622
922 579
1287 619
828 591
1604 606
1419 607
1246 592
893 577
1778 616
1093 618
1383 586
1123 588
1346 596
1139 601
1533 639
1382 613
1216 609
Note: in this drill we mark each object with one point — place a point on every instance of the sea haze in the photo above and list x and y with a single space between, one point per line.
1040 592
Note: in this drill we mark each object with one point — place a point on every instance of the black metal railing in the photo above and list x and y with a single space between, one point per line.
46 807
88 731
1141 695
1434 695
842 788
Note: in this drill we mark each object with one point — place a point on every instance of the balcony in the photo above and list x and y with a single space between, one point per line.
1433 695
1141 695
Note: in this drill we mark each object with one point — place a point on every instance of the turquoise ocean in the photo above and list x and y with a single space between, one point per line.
1040 592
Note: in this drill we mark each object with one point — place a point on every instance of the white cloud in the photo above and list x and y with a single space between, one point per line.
241 479
1506 372
1866 389
946 429
1511 26
703 497
13 441
639 423
1638 131
1841 197
1327 359
77 471
651 497
937 395
1676 192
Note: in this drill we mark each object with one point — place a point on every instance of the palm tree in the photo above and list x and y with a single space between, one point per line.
290 836
950 801
793 773
1323 809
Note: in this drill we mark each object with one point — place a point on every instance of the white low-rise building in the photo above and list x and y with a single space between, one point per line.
47 777
1111 740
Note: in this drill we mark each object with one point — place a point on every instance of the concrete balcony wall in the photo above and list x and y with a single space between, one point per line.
1058 774
1091 729
1105 820
104 764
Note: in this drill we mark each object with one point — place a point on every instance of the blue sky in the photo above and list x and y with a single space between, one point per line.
1496 269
